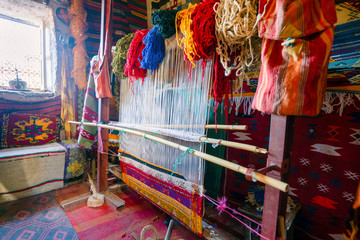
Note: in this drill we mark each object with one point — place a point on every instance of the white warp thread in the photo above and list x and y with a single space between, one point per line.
179 134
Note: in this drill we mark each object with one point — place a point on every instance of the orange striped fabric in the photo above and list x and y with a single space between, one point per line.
292 80
289 87
295 18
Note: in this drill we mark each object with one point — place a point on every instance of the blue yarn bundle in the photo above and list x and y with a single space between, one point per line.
154 50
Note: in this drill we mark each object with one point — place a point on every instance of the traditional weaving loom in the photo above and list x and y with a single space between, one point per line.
165 105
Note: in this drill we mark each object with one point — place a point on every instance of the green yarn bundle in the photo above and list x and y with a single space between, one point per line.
119 58
165 21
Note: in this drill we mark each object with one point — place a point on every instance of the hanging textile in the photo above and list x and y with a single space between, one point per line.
67 103
102 80
90 112
78 27
294 82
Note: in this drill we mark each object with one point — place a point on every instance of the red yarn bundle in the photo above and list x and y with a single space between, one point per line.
222 86
132 66
203 28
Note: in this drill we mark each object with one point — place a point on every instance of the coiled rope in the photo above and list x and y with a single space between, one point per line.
234 27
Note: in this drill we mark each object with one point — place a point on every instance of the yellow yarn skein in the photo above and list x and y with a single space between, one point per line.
186 40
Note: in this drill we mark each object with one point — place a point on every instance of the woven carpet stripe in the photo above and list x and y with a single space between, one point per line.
27 157
35 186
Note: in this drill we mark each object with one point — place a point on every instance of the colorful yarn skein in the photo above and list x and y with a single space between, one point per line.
119 58
203 28
154 50
132 66
165 21
185 40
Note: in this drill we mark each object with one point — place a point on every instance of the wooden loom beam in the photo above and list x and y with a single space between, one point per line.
222 142
227 164
207 126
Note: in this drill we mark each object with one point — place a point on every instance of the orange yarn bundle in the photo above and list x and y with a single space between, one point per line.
185 40
78 27
132 66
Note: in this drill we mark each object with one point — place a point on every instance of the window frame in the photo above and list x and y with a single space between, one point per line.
36 14
43 82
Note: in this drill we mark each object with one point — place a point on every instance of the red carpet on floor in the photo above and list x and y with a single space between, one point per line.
106 223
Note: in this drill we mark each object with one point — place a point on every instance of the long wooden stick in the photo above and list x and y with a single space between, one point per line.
242 146
207 126
224 163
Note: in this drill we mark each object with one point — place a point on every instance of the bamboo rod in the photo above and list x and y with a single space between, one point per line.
224 163
207 126
242 146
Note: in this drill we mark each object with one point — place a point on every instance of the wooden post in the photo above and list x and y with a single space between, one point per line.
103 135
103 116
280 151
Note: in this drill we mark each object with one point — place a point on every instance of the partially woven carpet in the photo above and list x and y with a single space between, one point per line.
37 217
28 171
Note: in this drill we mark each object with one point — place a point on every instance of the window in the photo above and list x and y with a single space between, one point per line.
28 43
20 51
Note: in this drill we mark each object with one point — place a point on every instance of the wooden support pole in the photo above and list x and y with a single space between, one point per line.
103 136
103 116
280 150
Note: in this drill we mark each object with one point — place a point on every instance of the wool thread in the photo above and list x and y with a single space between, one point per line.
203 28
165 21
132 66
185 40
154 50
119 58
234 27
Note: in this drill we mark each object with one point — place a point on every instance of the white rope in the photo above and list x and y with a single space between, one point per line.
235 24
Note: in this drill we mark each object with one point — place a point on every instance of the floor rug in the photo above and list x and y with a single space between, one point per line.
37 217
106 223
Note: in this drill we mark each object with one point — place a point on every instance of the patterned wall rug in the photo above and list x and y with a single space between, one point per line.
37 217
324 171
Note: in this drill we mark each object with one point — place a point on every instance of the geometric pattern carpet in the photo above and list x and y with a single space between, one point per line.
36 217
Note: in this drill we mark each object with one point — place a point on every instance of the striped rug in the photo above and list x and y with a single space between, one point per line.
31 170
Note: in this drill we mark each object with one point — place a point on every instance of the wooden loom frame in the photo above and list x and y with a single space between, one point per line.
279 154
